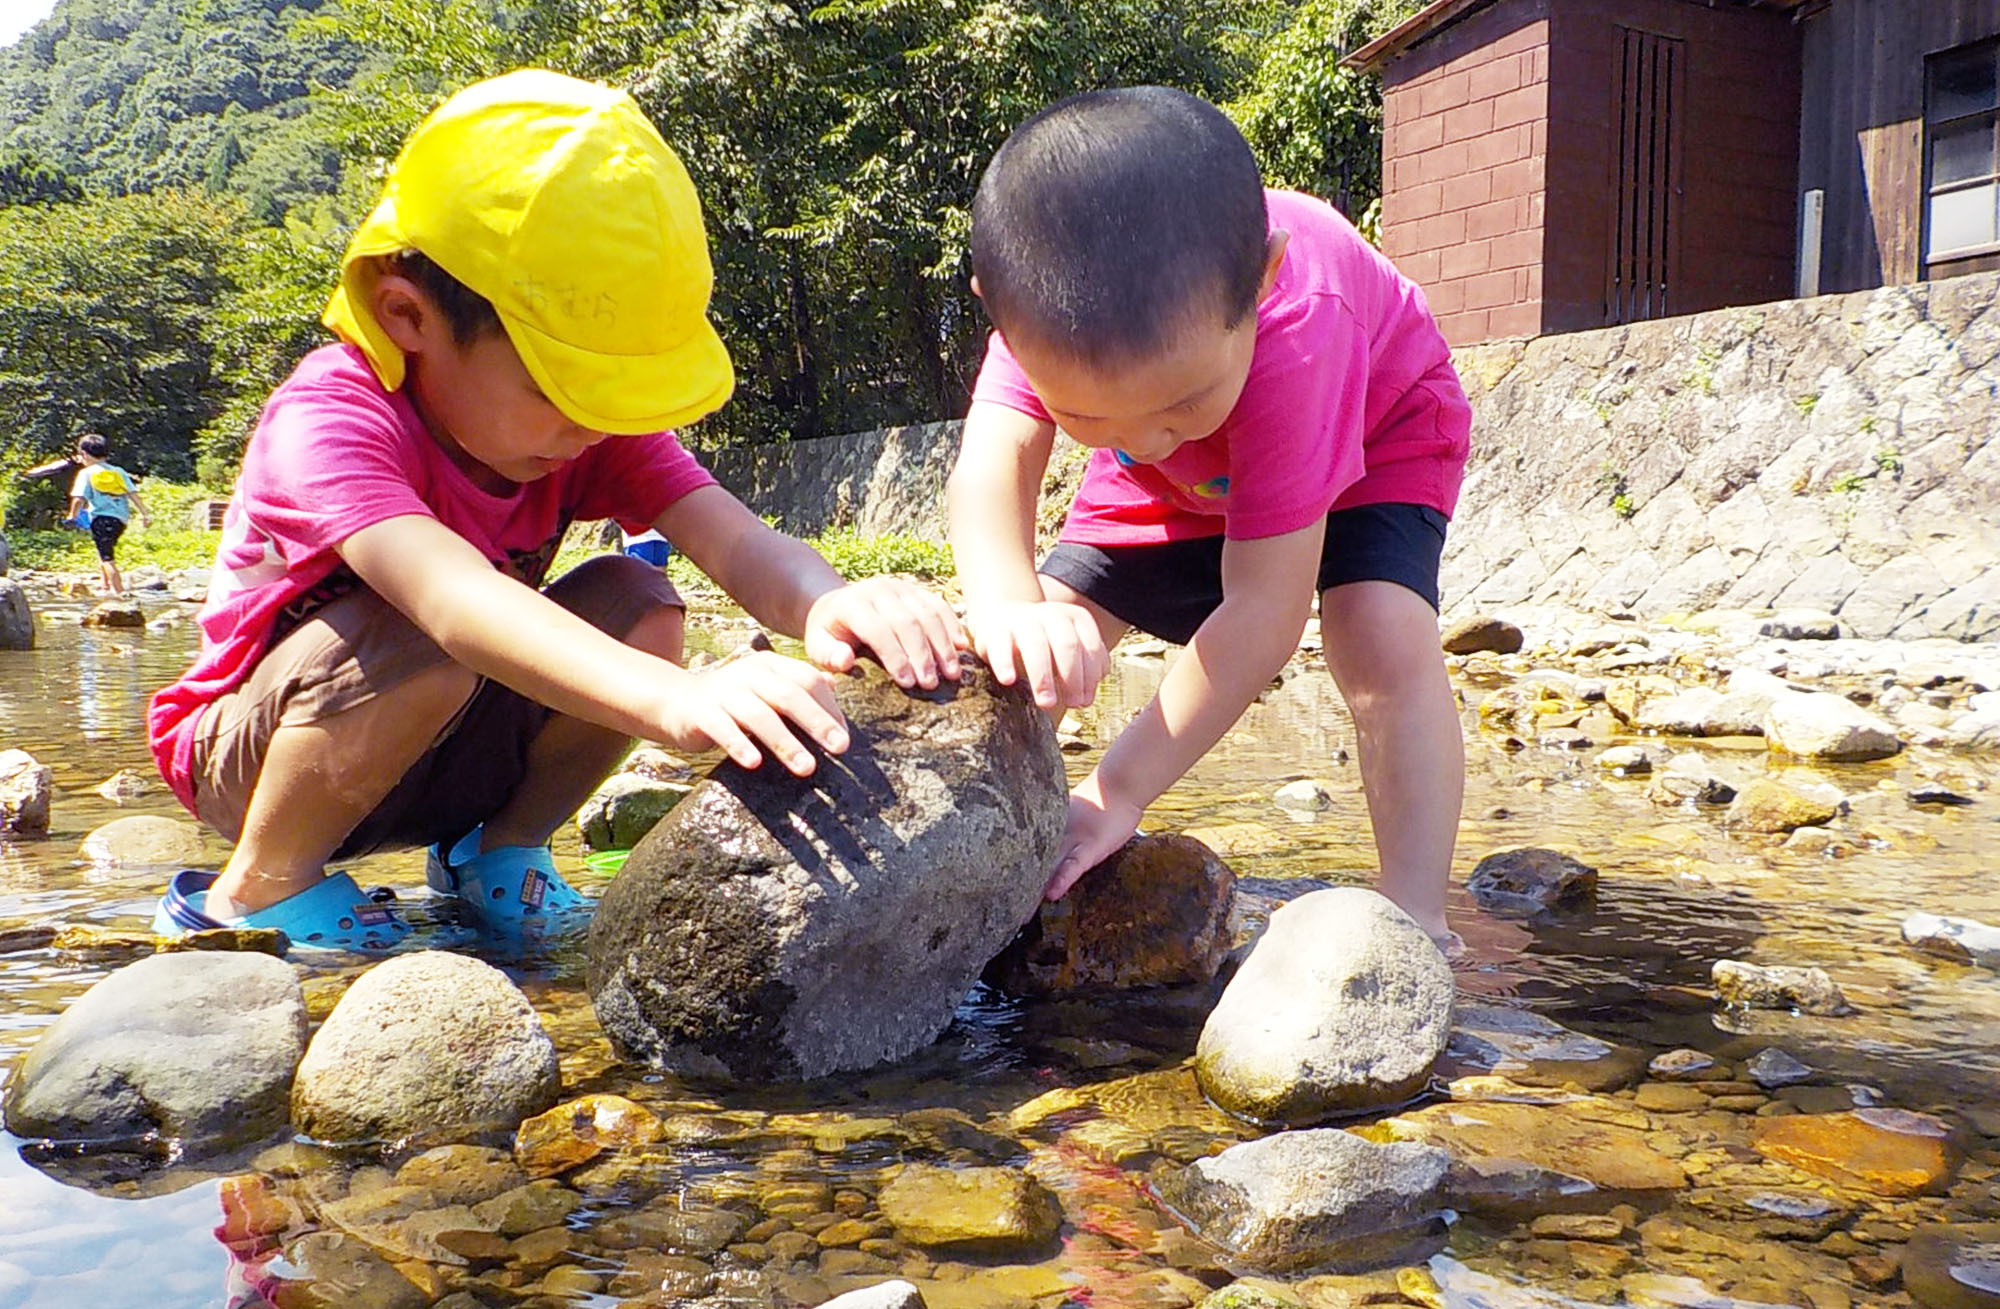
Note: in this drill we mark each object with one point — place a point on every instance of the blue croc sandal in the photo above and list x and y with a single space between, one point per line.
335 914
512 889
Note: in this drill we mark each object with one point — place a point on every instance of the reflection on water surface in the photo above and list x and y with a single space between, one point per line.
1676 893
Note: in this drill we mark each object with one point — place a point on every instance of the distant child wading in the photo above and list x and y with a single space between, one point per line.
102 498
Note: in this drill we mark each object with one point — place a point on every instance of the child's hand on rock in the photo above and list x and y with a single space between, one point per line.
1054 647
754 702
912 632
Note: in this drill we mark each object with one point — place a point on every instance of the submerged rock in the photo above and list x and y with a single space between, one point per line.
1772 1068
17 620
787 927
25 786
1882 1151
425 1043
124 786
1156 913
144 840
119 611
577 1132
1559 1140
1344 1004
1754 986
1769 806
1954 1266
1313 1198
1532 878
1964 939
196 1047
970 1210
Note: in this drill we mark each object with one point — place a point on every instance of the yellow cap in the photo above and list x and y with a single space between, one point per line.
556 200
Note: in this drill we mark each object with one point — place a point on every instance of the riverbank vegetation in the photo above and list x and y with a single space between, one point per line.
178 177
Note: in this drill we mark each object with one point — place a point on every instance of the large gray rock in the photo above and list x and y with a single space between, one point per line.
1314 1198
17 620
1344 1004
25 786
1822 725
775 926
425 1043
197 1046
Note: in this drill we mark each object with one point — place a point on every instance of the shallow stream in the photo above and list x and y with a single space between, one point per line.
1677 892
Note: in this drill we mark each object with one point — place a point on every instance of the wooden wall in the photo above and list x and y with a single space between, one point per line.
1862 141
1738 122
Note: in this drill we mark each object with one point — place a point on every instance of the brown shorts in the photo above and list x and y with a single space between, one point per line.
359 647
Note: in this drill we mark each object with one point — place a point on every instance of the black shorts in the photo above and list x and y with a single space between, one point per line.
1169 590
105 531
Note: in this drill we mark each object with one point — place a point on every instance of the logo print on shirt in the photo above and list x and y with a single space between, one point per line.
1215 488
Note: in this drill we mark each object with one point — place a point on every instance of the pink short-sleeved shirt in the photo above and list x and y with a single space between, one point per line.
334 453
1351 400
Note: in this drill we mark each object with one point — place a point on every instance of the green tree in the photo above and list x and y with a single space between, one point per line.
103 305
1315 126
26 180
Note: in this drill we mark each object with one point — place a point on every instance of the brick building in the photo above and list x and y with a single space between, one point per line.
1551 165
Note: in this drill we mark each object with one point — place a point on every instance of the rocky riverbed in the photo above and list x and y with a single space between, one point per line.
1613 1120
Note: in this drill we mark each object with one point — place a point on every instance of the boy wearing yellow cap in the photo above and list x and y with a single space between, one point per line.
522 318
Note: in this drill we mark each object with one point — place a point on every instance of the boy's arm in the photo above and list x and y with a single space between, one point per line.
1267 593
510 632
990 508
784 584
138 505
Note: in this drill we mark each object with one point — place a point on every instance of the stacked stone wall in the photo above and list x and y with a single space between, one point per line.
1837 453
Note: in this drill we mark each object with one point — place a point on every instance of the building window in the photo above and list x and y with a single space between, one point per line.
1962 151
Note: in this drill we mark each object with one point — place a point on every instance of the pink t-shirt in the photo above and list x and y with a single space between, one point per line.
334 453
1351 400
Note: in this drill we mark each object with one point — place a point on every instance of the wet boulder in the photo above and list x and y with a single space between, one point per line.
124 787
783 927
1880 1151
1803 990
144 841
425 1043
25 786
1344 1004
198 1047
17 620
1532 879
1965 939
1315 1198
119 611
1953 1266
1156 913
1822 725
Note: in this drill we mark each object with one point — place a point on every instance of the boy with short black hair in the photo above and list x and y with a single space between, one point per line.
522 317
103 497
1273 417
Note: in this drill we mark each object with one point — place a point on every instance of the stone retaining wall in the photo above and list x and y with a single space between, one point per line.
1835 454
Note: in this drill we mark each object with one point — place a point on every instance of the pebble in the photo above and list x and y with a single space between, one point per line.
1771 1068
1683 1065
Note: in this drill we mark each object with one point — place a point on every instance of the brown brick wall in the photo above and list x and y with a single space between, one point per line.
1463 148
